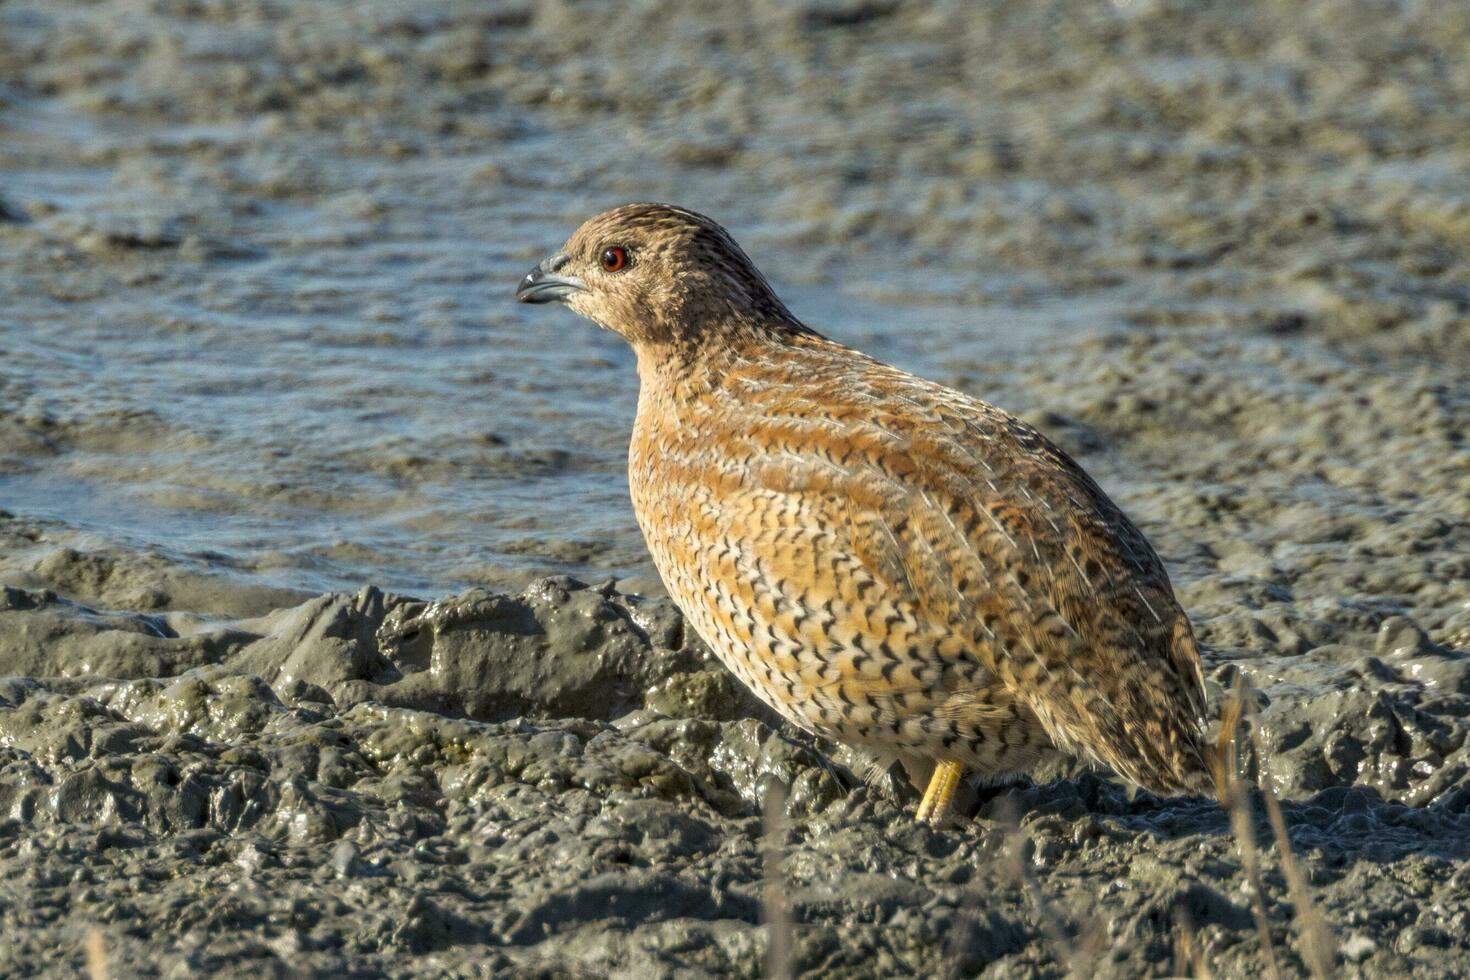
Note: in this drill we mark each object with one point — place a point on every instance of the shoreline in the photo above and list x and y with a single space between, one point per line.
564 781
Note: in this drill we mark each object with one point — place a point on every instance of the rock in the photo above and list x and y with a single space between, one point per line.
560 648
1358 948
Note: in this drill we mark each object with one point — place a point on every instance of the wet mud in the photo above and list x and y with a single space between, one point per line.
327 641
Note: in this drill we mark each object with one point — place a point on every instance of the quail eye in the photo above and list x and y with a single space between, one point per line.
614 258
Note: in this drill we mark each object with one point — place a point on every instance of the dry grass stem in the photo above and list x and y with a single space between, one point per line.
1189 953
1236 798
1077 957
96 952
776 907
1319 946
967 919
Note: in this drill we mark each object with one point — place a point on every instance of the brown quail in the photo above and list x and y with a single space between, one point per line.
881 559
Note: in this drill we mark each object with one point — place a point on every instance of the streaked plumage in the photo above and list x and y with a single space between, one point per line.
879 558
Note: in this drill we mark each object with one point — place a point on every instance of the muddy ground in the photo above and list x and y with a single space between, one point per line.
321 603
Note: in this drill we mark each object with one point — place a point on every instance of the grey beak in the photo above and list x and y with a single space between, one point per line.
543 285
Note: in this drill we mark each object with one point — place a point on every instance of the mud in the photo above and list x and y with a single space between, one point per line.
561 782
328 642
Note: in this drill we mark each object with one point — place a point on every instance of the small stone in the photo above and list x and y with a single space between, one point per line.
345 859
1358 948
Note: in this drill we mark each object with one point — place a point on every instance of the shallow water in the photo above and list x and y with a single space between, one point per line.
345 391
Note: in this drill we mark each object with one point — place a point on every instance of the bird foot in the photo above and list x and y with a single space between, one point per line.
934 808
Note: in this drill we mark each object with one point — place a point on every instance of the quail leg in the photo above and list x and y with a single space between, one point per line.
934 807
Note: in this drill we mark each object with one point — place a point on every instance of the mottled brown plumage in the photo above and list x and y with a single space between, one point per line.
881 559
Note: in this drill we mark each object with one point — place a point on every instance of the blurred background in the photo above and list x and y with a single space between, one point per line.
257 263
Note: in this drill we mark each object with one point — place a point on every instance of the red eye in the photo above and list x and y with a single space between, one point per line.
615 258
